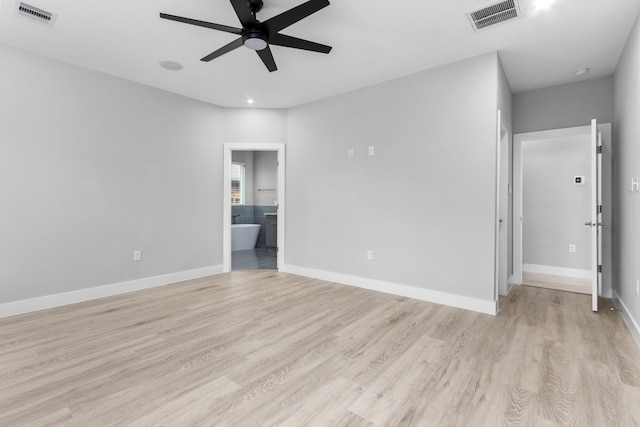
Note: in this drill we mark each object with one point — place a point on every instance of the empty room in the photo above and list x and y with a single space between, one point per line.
320 213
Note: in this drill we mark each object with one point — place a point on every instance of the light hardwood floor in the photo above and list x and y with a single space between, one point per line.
560 283
262 348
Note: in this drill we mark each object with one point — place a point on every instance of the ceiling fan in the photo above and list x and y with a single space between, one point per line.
258 35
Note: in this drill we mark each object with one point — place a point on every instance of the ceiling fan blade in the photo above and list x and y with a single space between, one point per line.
294 42
205 24
244 13
224 49
294 15
267 57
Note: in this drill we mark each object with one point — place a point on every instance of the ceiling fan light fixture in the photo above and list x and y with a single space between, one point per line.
254 40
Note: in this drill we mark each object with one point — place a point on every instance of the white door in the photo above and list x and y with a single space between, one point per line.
595 221
502 206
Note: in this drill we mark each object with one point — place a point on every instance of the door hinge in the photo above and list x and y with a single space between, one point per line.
599 149
599 208
600 269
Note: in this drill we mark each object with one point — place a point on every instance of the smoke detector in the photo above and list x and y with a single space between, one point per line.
493 14
35 13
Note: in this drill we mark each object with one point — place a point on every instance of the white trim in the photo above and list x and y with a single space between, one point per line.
518 207
444 298
595 235
56 300
557 271
632 324
229 147
496 228
501 243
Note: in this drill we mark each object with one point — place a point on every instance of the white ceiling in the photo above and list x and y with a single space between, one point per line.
373 41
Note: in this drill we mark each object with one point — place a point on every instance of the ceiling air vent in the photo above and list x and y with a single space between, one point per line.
494 14
33 12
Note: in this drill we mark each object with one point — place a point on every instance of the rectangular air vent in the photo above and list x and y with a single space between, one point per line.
494 14
33 12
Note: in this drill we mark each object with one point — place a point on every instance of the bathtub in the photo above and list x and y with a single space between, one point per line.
244 236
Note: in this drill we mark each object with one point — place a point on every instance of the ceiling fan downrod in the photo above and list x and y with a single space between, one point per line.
255 6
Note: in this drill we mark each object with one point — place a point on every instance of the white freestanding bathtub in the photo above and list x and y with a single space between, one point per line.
244 236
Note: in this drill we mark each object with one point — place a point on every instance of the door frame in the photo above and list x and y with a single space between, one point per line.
226 194
503 161
518 141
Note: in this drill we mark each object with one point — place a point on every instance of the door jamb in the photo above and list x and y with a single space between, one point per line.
226 194
503 130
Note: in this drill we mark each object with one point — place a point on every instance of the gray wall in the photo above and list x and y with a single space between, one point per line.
627 165
555 209
254 125
424 203
92 168
568 105
265 176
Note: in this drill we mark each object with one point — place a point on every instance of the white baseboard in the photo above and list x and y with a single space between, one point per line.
444 298
556 271
632 324
56 300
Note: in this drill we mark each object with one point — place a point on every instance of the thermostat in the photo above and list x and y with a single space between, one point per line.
578 180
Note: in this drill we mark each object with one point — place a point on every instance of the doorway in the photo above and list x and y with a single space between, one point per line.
551 246
261 223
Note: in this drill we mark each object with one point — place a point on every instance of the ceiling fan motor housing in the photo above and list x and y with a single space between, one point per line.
255 38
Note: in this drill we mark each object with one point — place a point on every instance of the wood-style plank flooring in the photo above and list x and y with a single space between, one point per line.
560 283
262 348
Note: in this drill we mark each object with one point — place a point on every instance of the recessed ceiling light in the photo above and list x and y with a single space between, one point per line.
582 71
543 4
171 65
250 101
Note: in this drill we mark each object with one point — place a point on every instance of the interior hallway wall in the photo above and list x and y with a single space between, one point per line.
555 208
563 106
424 203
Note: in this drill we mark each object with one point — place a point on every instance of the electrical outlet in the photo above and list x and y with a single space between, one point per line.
572 248
350 152
635 184
371 150
137 255
369 255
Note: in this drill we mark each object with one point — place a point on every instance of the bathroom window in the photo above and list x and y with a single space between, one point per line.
237 183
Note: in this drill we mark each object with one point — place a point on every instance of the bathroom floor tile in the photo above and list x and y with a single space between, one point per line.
254 259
